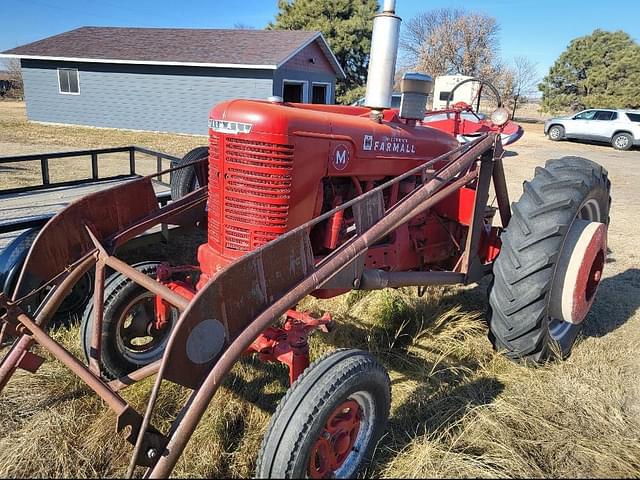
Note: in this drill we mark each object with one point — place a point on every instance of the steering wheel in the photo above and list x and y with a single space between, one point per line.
482 84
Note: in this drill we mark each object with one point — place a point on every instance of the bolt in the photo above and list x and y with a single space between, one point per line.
152 453
326 435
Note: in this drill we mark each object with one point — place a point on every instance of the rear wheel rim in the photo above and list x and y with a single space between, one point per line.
565 332
342 444
622 141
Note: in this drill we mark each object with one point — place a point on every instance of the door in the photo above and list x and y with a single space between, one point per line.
319 93
293 91
578 126
603 125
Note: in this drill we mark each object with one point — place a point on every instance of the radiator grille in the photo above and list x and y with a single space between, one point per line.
255 196
215 192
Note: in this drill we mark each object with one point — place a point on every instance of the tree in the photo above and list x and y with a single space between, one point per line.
15 78
596 71
345 24
524 80
452 41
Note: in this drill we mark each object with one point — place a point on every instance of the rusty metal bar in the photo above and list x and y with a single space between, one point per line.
115 402
426 196
502 194
10 361
135 376
148 283
95 353
471 264
174 208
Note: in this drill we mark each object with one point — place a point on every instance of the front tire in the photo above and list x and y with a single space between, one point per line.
551 261
330 421
622 141
556 133
129 340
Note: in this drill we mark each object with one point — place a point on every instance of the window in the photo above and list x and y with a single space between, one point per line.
68 81
604 115
294 91
588 115
634 117
444 96
320 93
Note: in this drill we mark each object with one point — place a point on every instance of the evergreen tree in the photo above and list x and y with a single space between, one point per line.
345 24
601 70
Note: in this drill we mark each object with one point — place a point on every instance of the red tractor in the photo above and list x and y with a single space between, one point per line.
310 199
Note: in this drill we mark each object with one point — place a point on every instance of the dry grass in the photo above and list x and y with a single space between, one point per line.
459 410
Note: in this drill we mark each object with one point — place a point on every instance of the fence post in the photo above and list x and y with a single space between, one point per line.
44 164
132 161
94 166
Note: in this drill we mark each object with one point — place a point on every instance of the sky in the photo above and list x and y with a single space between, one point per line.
539 30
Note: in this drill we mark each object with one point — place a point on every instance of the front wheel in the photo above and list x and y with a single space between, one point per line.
551 261
556 132
330 421
129 337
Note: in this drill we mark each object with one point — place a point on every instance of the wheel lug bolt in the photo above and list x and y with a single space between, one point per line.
326 435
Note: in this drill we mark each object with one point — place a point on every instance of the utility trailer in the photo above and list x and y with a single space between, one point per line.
303 200
25 210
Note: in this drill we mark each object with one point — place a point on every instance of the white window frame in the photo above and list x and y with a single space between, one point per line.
327 95
305 88
77 78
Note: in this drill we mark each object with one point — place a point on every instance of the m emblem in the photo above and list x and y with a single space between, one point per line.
340 157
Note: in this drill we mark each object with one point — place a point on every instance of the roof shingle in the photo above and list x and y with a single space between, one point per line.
180 45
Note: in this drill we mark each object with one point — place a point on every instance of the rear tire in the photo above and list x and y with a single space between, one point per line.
185 180
529 272
556 132
622 141
335 411
125 302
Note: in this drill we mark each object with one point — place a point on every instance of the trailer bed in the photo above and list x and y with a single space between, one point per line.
27 207
37 206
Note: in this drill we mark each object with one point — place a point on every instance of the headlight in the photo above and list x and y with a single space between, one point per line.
500 116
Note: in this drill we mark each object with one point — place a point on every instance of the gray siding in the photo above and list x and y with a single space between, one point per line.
141 97
284 74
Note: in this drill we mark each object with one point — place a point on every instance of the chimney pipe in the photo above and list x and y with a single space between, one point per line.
382 59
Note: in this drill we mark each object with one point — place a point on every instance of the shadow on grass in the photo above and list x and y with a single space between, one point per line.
618 298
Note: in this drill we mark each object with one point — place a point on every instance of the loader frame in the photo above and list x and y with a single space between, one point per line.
218 325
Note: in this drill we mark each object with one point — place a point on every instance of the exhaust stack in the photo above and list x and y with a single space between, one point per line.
382 59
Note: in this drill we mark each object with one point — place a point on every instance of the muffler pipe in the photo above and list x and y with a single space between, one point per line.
382 58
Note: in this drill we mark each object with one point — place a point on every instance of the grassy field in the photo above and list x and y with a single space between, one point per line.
459 409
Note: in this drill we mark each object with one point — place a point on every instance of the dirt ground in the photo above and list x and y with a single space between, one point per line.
472 414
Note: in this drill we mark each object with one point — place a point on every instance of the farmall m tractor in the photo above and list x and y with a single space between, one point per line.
310 199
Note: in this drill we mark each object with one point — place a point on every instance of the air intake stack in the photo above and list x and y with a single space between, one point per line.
382 59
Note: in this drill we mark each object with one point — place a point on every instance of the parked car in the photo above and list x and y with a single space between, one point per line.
620 128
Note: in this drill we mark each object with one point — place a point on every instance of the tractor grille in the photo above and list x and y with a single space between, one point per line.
257 186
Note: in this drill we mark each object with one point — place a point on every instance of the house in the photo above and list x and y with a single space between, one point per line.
167 79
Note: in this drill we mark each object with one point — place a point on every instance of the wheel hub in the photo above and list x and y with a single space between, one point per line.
336 441
579 271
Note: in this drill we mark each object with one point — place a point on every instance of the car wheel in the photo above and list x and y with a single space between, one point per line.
622 141
556 133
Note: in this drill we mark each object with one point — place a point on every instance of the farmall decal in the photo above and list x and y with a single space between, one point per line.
388 144
340 156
